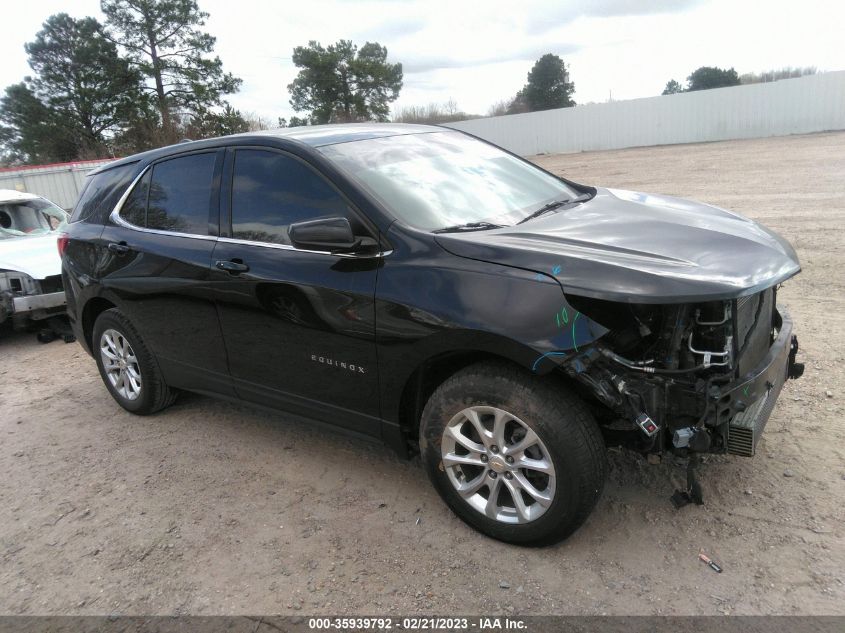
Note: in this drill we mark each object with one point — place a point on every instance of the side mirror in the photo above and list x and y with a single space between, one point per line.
324 234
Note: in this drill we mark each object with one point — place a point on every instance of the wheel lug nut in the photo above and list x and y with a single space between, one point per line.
493 474
508 475
484 458
509 459
494 448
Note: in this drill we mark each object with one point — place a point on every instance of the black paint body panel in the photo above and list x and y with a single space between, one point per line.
340 338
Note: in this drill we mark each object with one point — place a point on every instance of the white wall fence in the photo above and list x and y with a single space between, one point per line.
814 103
59 183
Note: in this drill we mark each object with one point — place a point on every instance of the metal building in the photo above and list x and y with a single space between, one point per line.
60 183
803 105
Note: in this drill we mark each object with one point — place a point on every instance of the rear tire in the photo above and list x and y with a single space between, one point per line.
128 368
494 428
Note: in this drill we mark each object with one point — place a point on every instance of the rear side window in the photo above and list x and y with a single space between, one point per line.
179 195
270 191
101 193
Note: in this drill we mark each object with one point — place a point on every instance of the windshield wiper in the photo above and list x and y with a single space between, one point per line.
555 204
469 226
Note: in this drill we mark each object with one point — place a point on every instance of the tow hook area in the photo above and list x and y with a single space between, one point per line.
794 370
692 494
697 441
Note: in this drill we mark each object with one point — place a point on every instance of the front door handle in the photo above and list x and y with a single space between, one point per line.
118 247
232 266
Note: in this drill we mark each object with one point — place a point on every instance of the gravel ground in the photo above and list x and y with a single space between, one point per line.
214 508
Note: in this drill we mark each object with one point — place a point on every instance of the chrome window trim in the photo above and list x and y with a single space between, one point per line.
289 247
119 221
114 216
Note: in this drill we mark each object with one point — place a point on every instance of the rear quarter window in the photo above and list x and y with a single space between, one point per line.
101 193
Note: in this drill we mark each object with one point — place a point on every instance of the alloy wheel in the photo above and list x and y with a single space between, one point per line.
120 364
498 465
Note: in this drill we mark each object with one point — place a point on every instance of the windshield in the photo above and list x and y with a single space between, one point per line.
444 179
30 217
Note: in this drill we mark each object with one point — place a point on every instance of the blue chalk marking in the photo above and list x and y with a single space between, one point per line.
540 277
574 343
563 313
546 355
556 269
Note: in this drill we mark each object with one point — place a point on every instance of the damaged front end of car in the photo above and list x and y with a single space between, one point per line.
687 378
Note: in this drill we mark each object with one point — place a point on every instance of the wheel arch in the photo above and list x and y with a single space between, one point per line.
433 371
93 308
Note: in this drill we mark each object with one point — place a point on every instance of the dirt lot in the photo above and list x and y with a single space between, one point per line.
213 508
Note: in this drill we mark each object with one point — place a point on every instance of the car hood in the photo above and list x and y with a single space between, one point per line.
639 248
36 256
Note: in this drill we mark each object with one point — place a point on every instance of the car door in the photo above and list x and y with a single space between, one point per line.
158 247
298 325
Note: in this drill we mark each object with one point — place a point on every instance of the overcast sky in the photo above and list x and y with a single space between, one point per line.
478 53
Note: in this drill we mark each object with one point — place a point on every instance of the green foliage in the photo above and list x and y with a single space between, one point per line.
81 94
164 41
518 104
776 75
207 124
341 83
32 131
672 87
708 77
548 86
432 114
294 121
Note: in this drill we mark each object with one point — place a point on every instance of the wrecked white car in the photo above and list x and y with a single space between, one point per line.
30 267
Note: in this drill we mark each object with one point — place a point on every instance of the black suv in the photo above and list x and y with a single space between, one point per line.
422 286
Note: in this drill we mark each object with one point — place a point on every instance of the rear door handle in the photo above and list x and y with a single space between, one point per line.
232 266
118 247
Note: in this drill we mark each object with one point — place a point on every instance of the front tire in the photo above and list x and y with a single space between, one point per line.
127 366
516 456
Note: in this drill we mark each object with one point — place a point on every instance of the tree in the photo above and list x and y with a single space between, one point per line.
708 77
80 96
33 132
776 75
343 83
80 76
164 40
548 86
432 114
295 121
208 124
519 103
672 87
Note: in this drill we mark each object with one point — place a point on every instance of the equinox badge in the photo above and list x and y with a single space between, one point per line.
325 360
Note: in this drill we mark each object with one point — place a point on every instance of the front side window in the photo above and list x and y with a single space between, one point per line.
179 196
442 179
271 191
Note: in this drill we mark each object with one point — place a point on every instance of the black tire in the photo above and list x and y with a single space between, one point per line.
559 418
154 395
